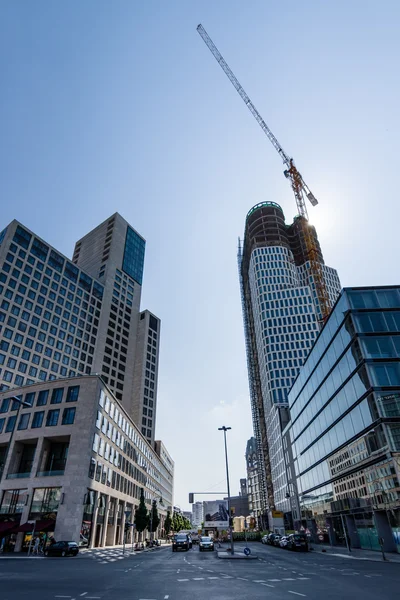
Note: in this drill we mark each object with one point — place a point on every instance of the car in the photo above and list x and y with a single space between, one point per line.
180 542
276 539
62 549
264 539
270 539
297 541
206 543
283 541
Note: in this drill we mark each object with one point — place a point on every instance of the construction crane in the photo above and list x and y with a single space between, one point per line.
299 187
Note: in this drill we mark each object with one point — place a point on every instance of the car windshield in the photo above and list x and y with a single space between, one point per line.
181 538
299 537
206 539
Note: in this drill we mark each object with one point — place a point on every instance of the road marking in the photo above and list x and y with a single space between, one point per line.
303 578
62 596
258 580
273 579
227 576
166 597
297 593
242 578
267 584
183 579
212 577
288 579
198 578
209 571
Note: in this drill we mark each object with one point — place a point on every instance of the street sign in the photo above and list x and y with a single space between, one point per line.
247 551
277 514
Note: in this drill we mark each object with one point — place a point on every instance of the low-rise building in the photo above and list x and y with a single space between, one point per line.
75 462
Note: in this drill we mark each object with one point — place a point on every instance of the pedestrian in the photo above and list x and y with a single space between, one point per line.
36 546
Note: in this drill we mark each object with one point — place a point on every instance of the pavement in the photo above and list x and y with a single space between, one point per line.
108 574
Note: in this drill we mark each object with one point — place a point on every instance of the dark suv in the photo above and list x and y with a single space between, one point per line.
297 541
180 542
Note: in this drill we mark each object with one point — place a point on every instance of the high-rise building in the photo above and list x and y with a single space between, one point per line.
345 424
253 482
74 330
80 317
243 487
197 514
282 318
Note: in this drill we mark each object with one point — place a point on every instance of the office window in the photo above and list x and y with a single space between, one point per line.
52 418
30 398
57 396
68 416
72 393
10 424
42 398
23 421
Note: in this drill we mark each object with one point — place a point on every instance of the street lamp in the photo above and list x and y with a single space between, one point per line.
225 429
25 405
151 511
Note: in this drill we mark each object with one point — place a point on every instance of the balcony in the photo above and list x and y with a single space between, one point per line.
49 473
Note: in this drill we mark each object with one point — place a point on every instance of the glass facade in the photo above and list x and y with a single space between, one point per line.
345 416
133 261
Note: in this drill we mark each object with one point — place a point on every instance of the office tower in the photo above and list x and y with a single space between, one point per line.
197 514
80 317
345 423
282 316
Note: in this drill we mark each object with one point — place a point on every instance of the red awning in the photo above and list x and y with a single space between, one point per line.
6 527
43 525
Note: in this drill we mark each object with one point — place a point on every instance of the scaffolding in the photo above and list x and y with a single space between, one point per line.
256 398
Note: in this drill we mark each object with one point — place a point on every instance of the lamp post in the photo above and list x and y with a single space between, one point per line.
225 429
151 511
25 405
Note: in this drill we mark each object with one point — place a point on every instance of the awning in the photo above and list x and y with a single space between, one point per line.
6 527
43 525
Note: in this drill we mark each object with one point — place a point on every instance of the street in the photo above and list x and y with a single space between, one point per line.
164 575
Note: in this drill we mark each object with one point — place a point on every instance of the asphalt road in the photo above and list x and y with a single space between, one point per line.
163 575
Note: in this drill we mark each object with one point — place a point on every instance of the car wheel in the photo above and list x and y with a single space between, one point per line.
63 553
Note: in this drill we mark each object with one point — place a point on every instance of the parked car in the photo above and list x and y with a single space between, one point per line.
270 538
297 541
206 543
62 549
277 539
264 539
283 542
180 542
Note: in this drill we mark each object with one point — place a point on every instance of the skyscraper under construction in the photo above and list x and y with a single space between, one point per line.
282 318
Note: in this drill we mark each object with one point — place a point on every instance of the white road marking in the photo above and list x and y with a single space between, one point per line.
303 578
297 593
201 568
267 585
183 579
242 578
273 579
258 580
212 577
62 596
288 579
198 578
166 597
209 570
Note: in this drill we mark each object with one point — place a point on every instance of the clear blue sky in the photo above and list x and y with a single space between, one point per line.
119 106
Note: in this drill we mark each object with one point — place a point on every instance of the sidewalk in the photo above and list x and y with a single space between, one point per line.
83 551
356 553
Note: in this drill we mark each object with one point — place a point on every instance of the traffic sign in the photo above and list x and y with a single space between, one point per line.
247 551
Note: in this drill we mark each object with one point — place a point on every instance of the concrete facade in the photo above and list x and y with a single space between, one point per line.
105 463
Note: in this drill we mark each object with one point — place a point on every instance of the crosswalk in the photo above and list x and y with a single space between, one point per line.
108 556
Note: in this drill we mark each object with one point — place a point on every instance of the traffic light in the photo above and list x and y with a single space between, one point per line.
191 497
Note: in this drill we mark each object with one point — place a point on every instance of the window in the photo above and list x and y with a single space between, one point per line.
42 398
57 396
30 398
2 421
52 418
68 416
10 424
72 393
37 419
23 421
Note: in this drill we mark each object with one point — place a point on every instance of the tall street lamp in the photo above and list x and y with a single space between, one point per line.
225 429
25 405
151 511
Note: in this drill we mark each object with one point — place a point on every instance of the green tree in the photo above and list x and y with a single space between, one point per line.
168 523
177 522
154 518
141 514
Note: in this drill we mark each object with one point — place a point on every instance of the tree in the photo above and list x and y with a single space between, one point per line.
177 522
141 515
168 523
154 519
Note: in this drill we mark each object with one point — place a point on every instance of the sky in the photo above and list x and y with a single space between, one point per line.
119 106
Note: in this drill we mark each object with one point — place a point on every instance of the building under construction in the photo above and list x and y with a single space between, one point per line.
282 316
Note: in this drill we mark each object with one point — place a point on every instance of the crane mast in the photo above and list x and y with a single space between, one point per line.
299 187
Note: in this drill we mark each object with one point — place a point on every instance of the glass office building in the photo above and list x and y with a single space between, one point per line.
345 424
